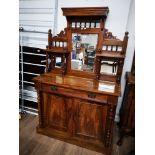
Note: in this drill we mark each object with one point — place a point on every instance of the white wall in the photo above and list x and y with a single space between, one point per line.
37 15
130 27
117 17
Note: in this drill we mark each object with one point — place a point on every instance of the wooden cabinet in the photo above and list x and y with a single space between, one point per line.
76 103
127 111
80 115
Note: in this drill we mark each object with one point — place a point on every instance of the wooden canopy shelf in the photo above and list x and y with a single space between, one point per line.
89 11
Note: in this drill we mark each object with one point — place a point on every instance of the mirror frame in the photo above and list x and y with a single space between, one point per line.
81 42
96 31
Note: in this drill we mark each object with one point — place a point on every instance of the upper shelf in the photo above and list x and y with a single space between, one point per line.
110 54
56 50
58 43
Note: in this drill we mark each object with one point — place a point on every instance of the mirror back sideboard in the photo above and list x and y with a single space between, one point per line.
77 96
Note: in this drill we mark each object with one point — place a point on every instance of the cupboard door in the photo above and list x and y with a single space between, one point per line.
90 120
55 107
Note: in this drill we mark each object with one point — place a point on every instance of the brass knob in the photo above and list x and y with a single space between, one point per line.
91 95
54 88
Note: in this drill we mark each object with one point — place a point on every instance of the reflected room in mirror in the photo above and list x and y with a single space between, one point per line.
83 51
109 67
58 62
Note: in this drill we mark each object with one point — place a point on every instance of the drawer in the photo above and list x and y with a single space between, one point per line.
91 96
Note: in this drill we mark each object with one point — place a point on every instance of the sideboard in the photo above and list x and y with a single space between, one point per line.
76 99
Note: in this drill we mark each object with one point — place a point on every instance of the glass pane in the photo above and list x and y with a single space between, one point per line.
83 51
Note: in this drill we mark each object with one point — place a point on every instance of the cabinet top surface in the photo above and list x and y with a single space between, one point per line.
79 83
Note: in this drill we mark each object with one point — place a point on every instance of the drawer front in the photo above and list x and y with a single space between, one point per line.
91 96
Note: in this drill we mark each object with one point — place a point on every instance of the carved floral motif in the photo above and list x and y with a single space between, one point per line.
108 35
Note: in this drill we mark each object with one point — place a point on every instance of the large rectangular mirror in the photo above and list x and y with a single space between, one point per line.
83 51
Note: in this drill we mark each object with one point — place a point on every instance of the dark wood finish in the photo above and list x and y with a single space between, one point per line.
89 11
114 50
57 47
76 106
127 111
114 55
76 112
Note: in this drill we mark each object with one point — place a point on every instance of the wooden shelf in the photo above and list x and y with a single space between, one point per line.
111 54
56 50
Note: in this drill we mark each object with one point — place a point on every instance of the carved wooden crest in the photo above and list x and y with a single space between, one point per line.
108 35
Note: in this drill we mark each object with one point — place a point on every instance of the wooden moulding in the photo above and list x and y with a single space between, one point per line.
72 82
73 140
89 11
56 50
114 42
107 54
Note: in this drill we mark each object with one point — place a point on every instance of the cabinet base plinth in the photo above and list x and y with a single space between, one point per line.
64 136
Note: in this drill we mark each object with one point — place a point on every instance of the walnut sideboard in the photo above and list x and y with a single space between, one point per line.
75 110
78 93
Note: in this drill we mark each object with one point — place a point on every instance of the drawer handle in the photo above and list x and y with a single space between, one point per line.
91 95
54 88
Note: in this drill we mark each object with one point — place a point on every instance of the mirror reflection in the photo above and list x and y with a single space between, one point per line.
109 67
83 51
58 62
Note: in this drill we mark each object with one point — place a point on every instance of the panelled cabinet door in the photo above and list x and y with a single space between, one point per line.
56 107
90 120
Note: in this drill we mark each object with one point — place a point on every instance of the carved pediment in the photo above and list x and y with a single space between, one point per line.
108 35
62 36
63 33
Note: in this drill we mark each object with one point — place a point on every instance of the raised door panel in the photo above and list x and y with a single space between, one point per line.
90 120
56 108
